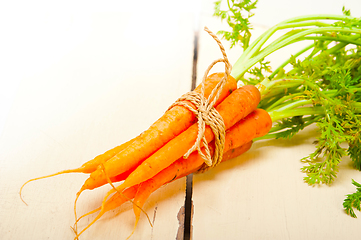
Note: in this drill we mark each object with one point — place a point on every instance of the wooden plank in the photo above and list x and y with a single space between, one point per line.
261 195
88 81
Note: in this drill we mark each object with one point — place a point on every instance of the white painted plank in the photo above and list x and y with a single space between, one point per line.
261 195
89 78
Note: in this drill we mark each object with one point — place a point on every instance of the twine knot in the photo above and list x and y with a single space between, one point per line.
207 115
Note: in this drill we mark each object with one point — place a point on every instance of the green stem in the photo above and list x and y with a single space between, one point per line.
293 110
278 115
318 17
338 39
239 68
258 43
268 87
285 99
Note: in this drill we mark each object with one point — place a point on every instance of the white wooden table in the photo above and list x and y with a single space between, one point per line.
78 79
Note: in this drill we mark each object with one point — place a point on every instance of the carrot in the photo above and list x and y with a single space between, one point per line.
185 167
172 123
254 125
87 167
235 107
122 176
238 151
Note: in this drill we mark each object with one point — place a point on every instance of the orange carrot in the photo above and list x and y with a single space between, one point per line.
122 176
254 125
236 106
172 123
179 169
238 151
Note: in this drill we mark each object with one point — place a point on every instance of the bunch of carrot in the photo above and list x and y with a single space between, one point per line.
155 157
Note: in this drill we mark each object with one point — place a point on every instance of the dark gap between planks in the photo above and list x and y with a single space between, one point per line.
189 183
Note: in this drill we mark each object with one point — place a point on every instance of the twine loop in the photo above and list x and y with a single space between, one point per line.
207 115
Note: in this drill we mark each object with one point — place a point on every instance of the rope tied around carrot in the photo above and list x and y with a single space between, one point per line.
206 113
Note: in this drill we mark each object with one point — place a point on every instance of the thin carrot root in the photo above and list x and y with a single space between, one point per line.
90 224
75 228
100 214
143 193
114 189
120 193
87 214
75 170
144 190
137 217
115 201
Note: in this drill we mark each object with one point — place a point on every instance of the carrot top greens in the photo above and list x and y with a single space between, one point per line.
319 84
353 200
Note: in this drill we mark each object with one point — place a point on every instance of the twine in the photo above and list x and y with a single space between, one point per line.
206 113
